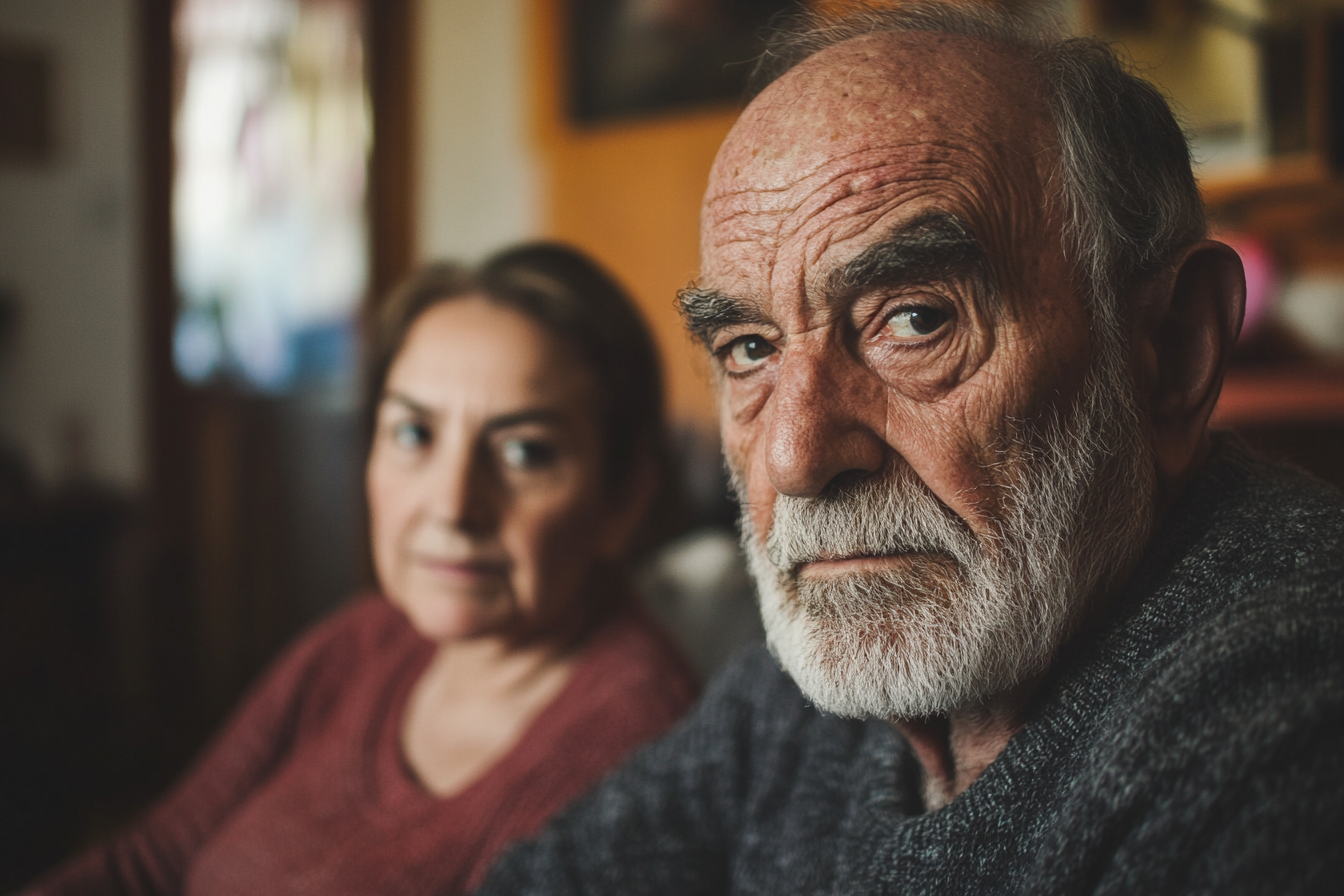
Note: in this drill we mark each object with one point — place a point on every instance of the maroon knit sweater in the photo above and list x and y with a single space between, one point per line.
306 791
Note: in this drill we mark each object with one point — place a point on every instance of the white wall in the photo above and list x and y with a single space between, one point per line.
475 170
68 246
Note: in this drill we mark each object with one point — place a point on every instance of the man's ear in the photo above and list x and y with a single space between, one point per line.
1186 334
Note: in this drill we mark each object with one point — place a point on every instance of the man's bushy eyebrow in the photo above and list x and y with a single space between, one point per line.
936 246
705 311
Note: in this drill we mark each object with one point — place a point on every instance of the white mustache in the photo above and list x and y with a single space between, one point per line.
885 514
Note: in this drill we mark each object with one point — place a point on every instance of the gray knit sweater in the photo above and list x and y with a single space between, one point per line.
1196 745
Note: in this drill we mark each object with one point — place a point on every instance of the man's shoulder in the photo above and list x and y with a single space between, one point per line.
755 785
1223 763
1251 593
753 690
1270 657
1265 509
1277 644
1272 562
753 732
1244 526
752 699
753 676
1218 698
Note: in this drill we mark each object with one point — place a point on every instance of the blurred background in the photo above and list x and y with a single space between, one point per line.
201 200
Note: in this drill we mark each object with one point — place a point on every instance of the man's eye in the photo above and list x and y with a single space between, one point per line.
409 434
527 454
748 351
911 323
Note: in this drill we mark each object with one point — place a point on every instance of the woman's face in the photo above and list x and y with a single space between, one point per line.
486 493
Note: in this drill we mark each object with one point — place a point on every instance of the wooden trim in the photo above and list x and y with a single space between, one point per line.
390 45
169 464
171 719
1282 395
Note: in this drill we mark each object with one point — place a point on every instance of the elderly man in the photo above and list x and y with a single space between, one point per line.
1040 631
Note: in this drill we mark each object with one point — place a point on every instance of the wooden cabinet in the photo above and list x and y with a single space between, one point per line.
1287 400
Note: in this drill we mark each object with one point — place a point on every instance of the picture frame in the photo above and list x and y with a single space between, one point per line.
632 58
26 103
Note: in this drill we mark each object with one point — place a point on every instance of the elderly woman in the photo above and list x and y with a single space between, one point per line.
397 747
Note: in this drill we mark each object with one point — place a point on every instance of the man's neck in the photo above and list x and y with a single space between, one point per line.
954 749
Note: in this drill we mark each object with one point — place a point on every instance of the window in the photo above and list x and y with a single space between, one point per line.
272 131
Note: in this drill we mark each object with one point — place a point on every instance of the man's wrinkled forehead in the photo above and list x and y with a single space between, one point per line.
908 86
870 113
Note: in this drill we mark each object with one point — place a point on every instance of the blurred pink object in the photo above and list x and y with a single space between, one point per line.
1262 284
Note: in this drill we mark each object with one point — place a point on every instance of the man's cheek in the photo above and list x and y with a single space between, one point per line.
753 490
742 401
739 438
760 496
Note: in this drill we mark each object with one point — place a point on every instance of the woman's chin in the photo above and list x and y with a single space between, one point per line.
444 618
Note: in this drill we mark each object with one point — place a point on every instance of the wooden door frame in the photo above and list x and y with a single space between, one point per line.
178 416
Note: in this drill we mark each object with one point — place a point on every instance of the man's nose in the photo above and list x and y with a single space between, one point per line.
827 411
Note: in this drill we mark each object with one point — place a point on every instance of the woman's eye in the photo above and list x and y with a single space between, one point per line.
748 351
409 434
527 454
911 323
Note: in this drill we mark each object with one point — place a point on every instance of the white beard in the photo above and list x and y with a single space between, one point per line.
963 617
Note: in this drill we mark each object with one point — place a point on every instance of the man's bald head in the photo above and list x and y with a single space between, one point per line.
1123 183
889 116
853 95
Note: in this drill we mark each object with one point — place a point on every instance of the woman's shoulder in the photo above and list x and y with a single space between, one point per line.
363 633
364 623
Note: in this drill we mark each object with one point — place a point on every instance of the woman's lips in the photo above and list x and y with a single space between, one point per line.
461 570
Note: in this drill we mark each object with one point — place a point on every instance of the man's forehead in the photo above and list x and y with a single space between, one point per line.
883 89
870 133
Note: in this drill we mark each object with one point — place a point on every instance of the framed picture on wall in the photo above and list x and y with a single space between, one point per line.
26 113
637 57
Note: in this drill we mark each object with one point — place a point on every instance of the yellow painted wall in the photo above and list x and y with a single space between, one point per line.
629 193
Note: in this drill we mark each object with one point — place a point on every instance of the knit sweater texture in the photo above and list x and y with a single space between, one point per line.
1193 743
306 790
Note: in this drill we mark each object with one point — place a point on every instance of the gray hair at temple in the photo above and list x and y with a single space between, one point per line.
1125 182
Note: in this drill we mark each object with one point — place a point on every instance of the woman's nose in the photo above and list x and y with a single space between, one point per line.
461 495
